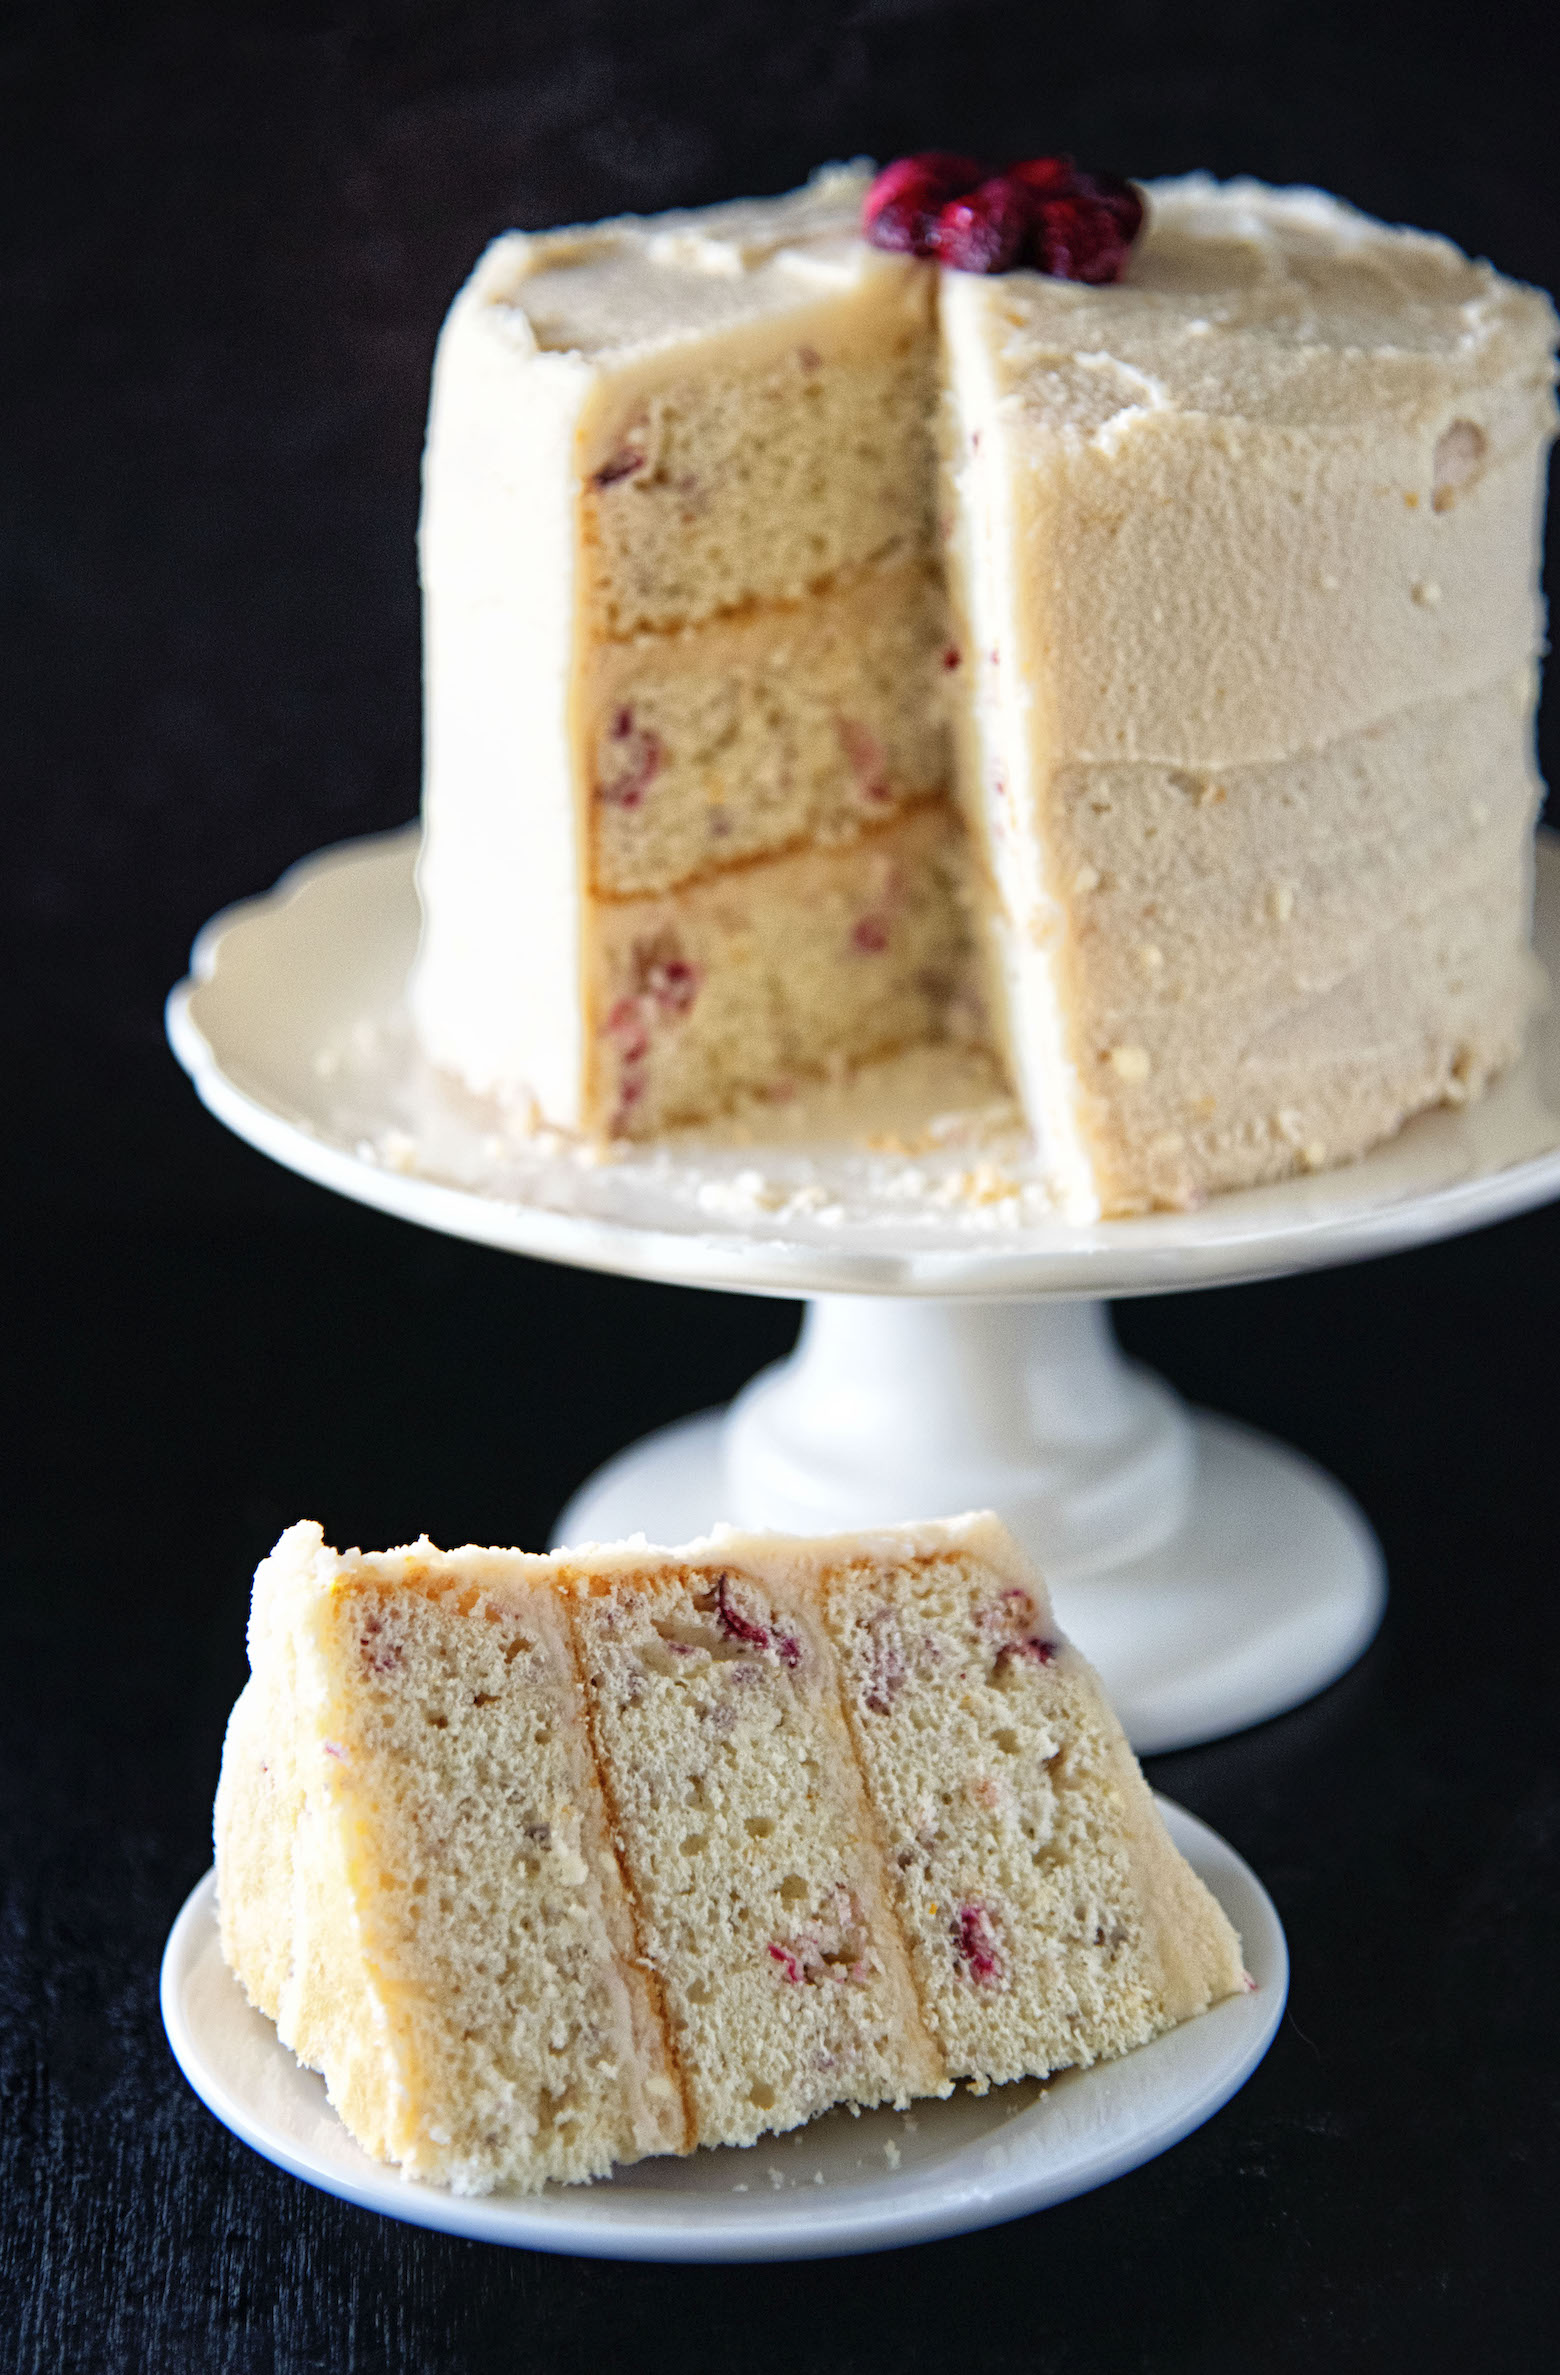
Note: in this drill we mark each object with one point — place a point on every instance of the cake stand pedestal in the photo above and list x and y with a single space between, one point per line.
1214 1577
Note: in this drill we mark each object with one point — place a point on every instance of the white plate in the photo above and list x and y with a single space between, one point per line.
839 2185
292 1030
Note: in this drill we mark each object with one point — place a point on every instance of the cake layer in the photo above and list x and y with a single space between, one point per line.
733 485
1048 1924
747 982
1265 969
749 1845
1283 482
766 728
551 1862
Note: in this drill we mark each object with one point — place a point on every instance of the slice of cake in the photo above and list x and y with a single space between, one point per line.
1245 554
1240 530
687 829
552 1862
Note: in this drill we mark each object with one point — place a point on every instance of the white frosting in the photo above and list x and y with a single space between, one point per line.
498 992
645 283
1279 488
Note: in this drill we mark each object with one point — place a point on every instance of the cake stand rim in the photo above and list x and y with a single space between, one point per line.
1074 1265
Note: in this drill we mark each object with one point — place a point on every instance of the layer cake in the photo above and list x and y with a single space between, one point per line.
1211 594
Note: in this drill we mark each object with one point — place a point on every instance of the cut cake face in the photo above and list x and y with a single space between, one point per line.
1237 691
688 833
550 1863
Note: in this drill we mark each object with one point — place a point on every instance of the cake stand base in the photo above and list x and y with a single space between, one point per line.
1212 1576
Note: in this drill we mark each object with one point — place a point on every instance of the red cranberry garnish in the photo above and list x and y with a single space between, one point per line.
1044 211
1045 177
986 230
1121 198
1077 239
900 209
1083 224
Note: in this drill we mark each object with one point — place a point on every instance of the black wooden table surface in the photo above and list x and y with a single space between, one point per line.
234 235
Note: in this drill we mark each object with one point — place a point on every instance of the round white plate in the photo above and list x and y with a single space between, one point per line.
839 2185
292 1029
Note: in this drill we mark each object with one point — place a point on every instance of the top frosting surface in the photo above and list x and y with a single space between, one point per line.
1275 305
1281 306
641 282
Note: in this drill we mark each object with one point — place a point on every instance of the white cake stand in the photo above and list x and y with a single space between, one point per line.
956 1351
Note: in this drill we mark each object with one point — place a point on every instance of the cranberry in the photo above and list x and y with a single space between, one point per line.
642 763
733 1623
870 936
901 207
1121 198
1043 211
381 1657
674 984
623 464
1079 239
975 1942
864 756
1045 177
887 1671
986 230
626 1024
791 1970
1043 1652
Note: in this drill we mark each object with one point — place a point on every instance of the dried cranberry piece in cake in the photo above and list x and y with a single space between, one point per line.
901 208
986 230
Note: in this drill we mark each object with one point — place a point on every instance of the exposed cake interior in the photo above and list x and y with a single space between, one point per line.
736 686
549 1863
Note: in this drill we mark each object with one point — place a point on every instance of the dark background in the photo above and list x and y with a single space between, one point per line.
231 235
